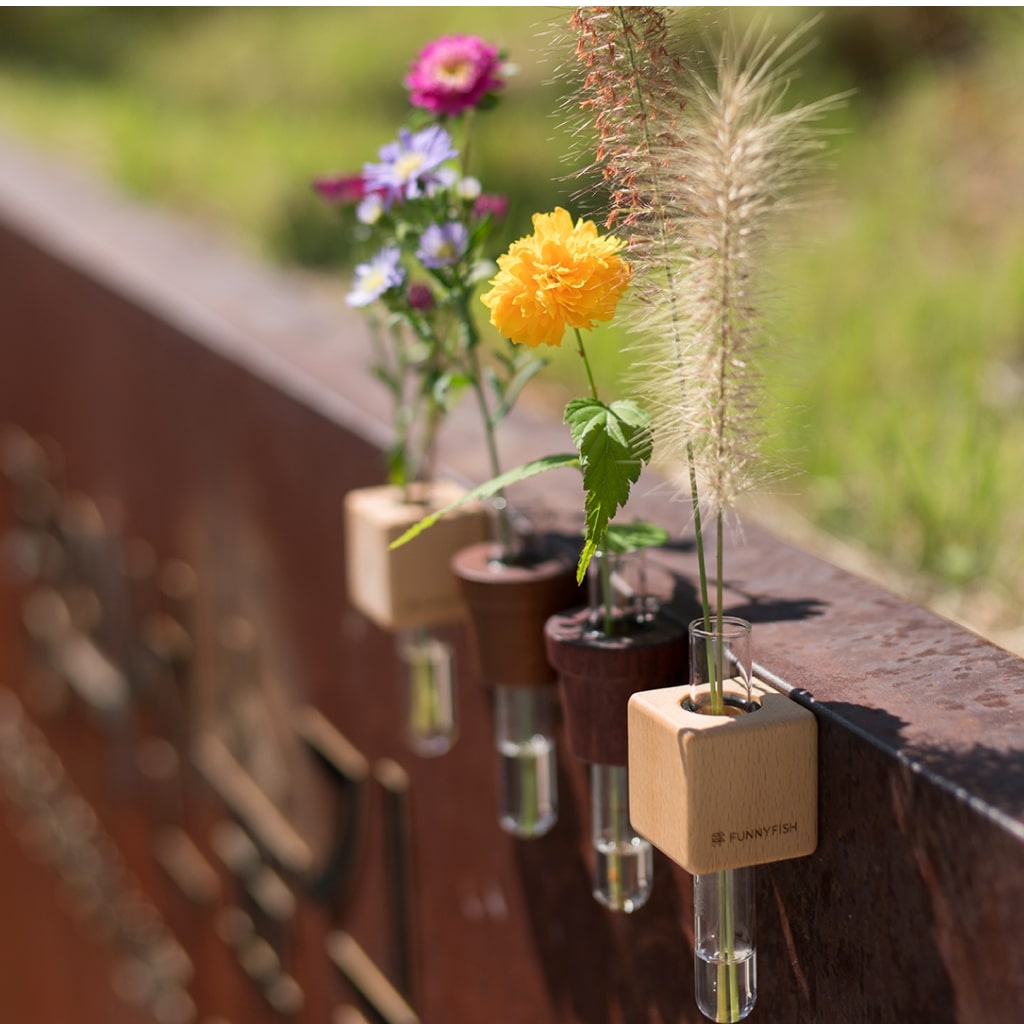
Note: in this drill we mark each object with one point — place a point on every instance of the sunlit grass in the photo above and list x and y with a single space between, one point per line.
896 381
228 114
901 391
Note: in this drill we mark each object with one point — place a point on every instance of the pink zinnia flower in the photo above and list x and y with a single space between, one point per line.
490 205
454 73
346 189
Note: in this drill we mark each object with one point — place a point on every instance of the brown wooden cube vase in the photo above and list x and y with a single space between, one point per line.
598 672
508 605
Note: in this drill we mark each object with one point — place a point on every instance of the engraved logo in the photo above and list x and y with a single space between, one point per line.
782 828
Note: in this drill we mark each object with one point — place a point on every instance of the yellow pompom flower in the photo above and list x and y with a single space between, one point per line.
563 275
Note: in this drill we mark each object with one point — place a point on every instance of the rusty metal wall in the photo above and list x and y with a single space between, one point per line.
207 411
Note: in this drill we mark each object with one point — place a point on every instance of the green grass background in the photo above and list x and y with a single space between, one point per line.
895 380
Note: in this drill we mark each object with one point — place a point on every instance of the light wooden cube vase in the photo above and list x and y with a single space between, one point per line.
412 586
715 792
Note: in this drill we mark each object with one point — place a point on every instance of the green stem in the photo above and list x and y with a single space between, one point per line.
717 706
466 136
615 816
424 703
728 986
586 363
719 600
485 412
505 534
728 975
699 531
606 591
605 568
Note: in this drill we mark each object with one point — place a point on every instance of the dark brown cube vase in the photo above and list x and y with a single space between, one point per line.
599 673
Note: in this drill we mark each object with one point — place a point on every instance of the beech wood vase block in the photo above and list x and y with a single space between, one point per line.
716 792
411 586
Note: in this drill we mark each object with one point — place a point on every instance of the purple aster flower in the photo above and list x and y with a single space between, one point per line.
376 276
453 74
370 209
441 245
410 165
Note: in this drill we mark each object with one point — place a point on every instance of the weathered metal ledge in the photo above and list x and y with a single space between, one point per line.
223 405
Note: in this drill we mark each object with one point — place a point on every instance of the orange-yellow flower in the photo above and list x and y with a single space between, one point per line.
563 275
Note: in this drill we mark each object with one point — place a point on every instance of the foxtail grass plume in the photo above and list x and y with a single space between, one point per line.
627 95
698 162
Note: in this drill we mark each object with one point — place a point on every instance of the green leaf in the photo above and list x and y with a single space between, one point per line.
488 490
398 470
614 442
623 537
388 379
449 388
512 390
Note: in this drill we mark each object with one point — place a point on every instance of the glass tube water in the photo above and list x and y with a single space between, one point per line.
617 597
623 860
725 961
720 666
725 965
431 722
525 740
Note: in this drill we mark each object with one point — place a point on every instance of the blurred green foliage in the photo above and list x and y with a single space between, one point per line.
896 374
229 113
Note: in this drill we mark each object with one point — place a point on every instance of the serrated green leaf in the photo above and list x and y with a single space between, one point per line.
488 490
614 442
581 414
623 537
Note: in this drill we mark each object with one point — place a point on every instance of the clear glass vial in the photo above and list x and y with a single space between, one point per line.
617 597
623 860
428 669
524 737
720 666
725 960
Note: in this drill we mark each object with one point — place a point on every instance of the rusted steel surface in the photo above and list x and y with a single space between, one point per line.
223 408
